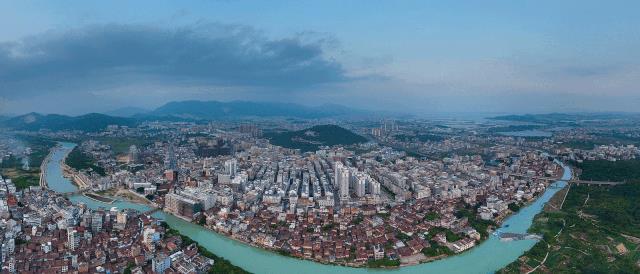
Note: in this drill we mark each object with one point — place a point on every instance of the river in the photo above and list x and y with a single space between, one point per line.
487 257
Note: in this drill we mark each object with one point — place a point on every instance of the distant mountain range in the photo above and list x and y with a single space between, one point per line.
177 111
126 112
89 122
212 110
312 138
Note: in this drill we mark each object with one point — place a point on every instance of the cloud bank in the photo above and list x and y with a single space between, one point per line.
107 66
103 56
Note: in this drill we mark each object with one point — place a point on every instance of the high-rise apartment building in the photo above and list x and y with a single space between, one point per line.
359 183
342 180
73 239
231 167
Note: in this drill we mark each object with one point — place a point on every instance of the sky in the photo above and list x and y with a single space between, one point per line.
419 57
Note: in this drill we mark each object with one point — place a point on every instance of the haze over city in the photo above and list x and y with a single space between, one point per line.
417 57
324 137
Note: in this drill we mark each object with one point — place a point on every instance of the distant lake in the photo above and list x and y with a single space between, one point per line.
528 133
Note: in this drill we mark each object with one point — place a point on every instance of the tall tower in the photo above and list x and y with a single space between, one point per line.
170 161
231 167
134 155
360 182
73 239
342 180
96 222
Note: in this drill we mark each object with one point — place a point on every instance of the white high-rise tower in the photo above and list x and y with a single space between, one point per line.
342 180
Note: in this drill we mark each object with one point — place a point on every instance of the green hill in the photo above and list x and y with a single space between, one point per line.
89 122
312 138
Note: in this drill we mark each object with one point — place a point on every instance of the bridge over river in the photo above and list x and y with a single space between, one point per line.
151 211
77 192
572 180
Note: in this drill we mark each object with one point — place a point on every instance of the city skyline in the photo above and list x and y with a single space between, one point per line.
299 136
422 58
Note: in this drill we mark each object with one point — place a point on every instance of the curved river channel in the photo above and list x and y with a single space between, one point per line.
487 257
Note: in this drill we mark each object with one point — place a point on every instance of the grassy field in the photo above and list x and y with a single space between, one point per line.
120 145
596 231
22 178
12 167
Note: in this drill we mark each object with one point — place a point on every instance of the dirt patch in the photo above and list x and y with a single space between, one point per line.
553 205
621 249
630 238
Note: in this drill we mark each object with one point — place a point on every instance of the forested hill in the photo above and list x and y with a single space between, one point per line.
89 122
602 170
312 138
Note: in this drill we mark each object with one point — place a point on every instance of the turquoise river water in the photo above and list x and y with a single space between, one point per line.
487 257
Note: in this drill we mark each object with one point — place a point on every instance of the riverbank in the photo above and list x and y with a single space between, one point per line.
258 260
126 195
221 265
590 229
533 200
25 176
99 198
43 165
66 170
420 258
73 174
61 184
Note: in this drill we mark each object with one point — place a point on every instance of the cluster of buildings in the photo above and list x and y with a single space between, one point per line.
42 232
335 205
332 205
602 152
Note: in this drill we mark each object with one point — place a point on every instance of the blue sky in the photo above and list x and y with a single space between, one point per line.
417 56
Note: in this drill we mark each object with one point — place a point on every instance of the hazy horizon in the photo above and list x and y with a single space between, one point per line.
468 115
418 57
